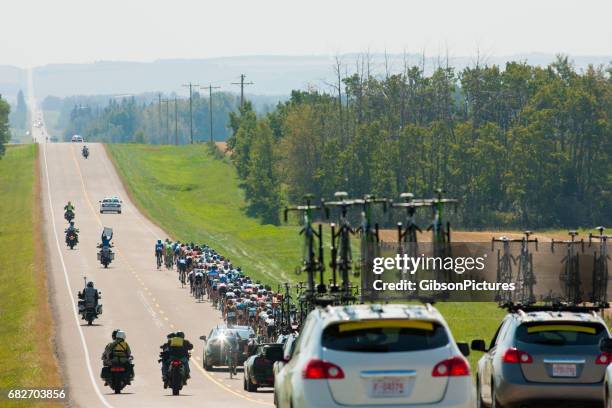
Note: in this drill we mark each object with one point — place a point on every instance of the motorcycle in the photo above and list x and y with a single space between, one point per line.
89 311
176 376
118 375
72 239
69 215
105 256
86 153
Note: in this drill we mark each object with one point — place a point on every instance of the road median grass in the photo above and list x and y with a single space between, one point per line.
192 195
27 357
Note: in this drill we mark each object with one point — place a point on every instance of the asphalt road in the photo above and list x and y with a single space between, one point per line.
145 302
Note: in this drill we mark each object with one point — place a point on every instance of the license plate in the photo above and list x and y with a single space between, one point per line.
564 370
388 388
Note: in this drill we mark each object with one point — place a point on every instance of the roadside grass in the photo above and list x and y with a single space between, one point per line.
193 196
27 355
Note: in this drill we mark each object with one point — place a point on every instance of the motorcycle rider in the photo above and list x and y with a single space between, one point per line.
72 229
106 239
85 150
117 352
69 207
176 348
90 294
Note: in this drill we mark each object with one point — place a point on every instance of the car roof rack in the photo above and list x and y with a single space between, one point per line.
552 307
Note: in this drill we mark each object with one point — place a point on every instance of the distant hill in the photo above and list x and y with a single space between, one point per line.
12 79
272 75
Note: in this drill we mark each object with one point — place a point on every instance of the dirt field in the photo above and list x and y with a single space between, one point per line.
477 236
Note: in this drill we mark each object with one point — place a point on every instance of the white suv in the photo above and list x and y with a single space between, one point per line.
373 356
112 204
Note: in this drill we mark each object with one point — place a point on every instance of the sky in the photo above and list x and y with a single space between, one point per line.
38 32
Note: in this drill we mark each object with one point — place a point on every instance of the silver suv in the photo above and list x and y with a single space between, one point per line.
373 356
541 357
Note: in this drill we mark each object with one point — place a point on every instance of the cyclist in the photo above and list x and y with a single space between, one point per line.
158 252
230 349
168 254
199 280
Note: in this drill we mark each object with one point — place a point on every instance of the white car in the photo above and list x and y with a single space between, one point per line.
77 139
110 204
376 356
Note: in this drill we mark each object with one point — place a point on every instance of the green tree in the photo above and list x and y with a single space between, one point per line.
5 135
261 185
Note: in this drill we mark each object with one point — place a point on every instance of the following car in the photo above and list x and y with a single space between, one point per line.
376 356
543 356
258 367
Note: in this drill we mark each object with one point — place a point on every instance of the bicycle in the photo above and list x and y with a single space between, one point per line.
600 268
441 230
525 276
158 258
370 237
505 260
341 255
570 277
311 263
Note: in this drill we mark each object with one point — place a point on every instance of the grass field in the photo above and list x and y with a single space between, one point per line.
194 196
26 355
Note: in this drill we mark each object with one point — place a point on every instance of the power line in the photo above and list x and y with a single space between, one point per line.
190 85
242 84
210 112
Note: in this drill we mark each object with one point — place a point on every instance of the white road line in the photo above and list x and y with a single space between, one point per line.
69 288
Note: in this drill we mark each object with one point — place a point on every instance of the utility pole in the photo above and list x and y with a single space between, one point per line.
210 115
190 85
175 121
242 84
159 116
167 102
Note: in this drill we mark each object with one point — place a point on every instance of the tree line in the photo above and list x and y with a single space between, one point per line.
5 133
521 146
142 119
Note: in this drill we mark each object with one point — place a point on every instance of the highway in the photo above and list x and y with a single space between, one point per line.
145 302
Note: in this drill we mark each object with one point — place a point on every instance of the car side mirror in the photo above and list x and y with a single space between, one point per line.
479 345
464 349
605 345
203 338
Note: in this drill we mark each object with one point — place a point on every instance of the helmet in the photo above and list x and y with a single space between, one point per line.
159 241
72 223
120 334
90 284
170 335
180 334
114 334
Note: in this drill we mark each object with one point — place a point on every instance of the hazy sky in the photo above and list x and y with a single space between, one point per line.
50 31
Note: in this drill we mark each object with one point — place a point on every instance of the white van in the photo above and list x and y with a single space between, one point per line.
77 139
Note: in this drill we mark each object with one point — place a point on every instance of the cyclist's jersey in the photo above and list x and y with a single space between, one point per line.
199 277
168 250
231 311
159 247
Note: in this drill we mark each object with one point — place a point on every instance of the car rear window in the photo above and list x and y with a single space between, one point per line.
561 333
384 336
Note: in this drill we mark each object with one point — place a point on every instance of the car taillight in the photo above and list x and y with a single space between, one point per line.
176 363
453 367
322 370
117 369
515 356
604 358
